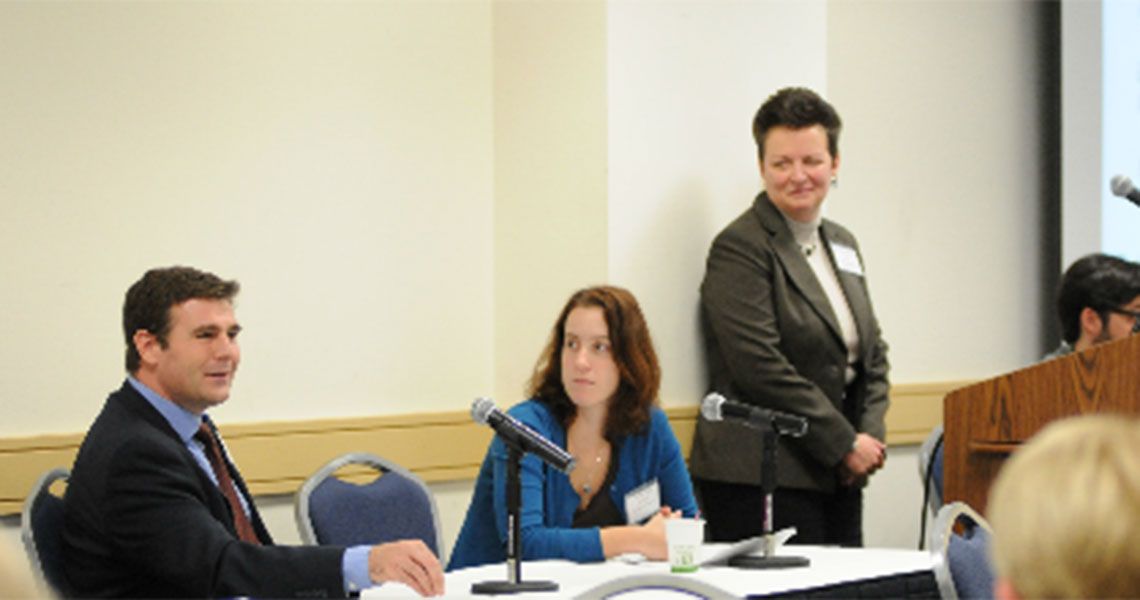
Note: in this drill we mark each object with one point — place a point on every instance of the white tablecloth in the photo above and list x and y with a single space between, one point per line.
828 566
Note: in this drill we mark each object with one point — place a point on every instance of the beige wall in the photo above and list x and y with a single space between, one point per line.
682 160
335 158
939 177
939 180
550 173
409 191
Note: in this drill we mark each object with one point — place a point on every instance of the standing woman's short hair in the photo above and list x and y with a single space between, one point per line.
632 350
796 108
1066 511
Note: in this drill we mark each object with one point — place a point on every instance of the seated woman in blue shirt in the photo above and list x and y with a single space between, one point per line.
593 393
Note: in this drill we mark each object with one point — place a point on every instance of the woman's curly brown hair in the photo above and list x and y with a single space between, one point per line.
632 348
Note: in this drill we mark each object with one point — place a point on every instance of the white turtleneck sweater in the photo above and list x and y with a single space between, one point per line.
808 239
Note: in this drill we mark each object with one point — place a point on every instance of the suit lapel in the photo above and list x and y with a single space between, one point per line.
853 288
139 405
795 264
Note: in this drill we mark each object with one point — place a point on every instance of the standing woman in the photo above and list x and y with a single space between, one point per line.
788 326
593 393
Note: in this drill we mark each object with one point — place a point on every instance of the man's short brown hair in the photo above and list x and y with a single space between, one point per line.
148 302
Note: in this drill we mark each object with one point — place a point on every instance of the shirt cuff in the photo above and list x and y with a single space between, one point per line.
354 565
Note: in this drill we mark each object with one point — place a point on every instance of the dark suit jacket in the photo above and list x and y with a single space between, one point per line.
772 340
141 519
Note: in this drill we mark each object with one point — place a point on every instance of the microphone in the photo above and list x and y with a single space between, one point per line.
716 407
1122 186
513 432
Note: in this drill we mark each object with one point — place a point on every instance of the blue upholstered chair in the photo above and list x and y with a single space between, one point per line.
930 459
41 530
961 553
930 468
396 505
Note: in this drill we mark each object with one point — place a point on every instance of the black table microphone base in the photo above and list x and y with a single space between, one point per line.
506 587
768 562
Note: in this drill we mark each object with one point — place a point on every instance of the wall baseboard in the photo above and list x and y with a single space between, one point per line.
276 457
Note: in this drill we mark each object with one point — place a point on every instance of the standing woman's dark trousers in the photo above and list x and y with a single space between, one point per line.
735 511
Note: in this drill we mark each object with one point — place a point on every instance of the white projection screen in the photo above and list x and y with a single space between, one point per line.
1100 78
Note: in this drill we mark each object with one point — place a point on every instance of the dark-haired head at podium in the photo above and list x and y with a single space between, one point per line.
1098 301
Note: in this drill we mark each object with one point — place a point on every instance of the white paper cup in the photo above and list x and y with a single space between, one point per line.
684 537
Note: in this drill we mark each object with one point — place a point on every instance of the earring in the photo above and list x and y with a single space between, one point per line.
834 181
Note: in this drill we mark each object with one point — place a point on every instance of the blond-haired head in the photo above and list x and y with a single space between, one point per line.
1066 512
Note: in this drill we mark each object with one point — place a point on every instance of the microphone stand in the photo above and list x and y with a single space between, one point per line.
514 583
768 559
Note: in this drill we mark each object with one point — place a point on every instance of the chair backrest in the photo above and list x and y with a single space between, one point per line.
41 530
930 468
960 553
655 585
930 458
397 505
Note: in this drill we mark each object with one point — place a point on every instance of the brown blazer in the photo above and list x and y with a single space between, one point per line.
772 340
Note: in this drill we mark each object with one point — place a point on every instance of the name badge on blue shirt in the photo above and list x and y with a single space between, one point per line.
642 502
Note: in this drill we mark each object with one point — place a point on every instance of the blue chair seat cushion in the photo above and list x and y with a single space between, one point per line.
348 514
968 557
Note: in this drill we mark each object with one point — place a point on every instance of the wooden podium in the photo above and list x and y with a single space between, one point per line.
988 420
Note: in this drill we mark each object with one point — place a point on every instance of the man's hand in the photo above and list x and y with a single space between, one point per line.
409 562
865 458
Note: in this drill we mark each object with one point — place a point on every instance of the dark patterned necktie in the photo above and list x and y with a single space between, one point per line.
226 483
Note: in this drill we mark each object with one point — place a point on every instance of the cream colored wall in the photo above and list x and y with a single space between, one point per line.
550 173
336 158
684 82
939 179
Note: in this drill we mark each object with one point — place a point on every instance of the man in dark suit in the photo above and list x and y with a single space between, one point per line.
156 508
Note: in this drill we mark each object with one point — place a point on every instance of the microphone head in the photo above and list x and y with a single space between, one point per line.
1122 186
481 410
711 407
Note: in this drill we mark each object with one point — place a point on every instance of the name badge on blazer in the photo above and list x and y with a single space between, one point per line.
846 259
643 502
